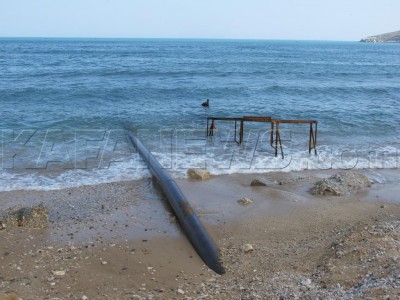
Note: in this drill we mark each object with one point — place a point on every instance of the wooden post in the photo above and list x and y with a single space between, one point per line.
310 138
241 131
271 140
235 131
276 138
280 144
315 140
312 144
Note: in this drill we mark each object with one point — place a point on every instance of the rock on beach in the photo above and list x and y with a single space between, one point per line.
198 174
341 184
257 182
245 201
32 217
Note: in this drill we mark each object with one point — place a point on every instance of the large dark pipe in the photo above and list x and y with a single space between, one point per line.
189 221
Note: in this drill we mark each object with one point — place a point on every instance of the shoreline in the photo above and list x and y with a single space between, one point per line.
120 240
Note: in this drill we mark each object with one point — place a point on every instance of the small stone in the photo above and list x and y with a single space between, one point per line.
59 273
84 297
257 182
245 201
306 282
198 174
181 292
247 248
103 262
339 254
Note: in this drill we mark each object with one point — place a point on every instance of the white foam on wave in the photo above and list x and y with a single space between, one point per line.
328 157
218 160
71 178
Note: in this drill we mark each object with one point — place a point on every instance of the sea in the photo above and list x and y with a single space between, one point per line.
68 107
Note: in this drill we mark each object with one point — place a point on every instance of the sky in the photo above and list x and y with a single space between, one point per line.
339 20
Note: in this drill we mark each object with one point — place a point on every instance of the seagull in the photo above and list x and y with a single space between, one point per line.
206 103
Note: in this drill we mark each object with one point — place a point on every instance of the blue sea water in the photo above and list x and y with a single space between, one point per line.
65 104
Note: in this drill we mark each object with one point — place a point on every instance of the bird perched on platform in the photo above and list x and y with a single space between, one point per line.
206 103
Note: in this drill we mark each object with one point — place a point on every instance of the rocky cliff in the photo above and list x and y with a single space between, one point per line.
391 37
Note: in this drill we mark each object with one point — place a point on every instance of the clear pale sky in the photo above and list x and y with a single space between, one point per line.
250 19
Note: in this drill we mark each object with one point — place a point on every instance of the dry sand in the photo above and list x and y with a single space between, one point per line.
120 241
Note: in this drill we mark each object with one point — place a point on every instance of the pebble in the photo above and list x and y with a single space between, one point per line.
306 282
247 248
245 201
59 273
181 292
103 262
257 182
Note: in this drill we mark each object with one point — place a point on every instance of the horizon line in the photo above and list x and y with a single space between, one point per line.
172 38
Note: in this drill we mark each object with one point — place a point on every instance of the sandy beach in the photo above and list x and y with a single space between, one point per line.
121 241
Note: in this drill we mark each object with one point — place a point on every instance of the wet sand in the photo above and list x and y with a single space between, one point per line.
121 241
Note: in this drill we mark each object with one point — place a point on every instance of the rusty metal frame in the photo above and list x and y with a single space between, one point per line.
274 131
226 119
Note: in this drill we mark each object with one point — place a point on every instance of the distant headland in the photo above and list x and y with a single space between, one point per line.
391 37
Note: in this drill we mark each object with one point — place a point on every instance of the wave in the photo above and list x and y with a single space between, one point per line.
220 158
